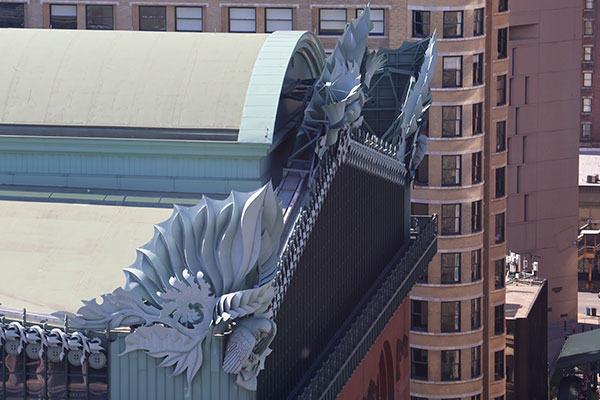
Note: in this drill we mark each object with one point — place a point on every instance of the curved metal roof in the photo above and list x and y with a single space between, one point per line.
189 81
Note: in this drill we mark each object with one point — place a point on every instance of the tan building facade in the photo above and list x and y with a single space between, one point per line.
465 184
455 350
543 144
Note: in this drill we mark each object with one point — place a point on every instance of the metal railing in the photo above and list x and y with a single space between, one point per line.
347 354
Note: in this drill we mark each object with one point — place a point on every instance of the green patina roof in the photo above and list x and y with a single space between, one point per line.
579 349
120 79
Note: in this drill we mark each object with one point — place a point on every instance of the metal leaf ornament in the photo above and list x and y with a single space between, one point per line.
207 269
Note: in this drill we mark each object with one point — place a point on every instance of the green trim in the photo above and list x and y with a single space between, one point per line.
264 89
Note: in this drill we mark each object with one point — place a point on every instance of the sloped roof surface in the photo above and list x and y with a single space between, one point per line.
125 79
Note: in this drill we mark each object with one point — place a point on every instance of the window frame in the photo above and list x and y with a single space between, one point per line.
475 313
476 213
142 18
112 16
498 365
420 316
52 25
450 267
502 135
588 53
587 3
478 22
454 172
332 32
450 370
475 362
478 69
500 236
229 19
476 168
382 21
177 18
456 121
450 318
499 273
502 46
421 24
475 265
8 8
499 318
455 73
588 27
502 5
587 80
267 20
456 220
586 127
459 24
477 119
419 364
500 182
586 108
501 90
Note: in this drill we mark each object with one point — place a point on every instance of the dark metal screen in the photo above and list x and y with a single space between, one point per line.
358 231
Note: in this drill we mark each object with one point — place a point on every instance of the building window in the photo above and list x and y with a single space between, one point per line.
502 5
242 19
451 170
378 20
587 79
499 270
421 23
422 174
588 53
418 364
450 316
477 118
477 69
450 365
188 19
587 105
499 365
12 15
452 72
332 21
450 268
476 265
475 362
501 90
499 228
453 24
476 397
475 313
450 219
153 18
499 319
500 182
500 136
478 22
278 19
99 17
476 176
590 4
588 28
451 121
476 216
502 43
586 130
63 16
418 313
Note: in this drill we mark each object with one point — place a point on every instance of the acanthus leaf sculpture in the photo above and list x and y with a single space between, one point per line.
199 275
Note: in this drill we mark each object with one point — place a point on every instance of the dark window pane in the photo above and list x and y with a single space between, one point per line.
453 24
476 265
499 271
477 118
476 313
476 176
451 121
450 365
478 69
499 365
499 319
476 216
502 5
418 364
421 23
450 267
451 170
501 90
500 182
475 362
450 316
12 15
452 71
478 22
63 16
418 315
500 136
153 18
502 42
499 228
99 17
451 219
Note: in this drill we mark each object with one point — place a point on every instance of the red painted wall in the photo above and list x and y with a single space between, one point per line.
384 373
